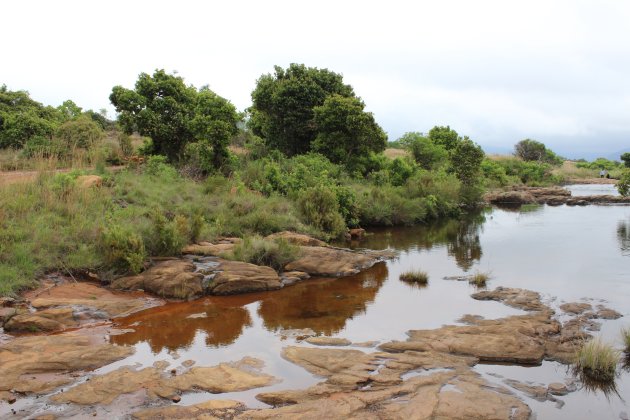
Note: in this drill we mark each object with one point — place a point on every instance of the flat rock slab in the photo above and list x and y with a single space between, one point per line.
225 377
328 341
296 239
210 249
41 363
332 262
514 297
213 409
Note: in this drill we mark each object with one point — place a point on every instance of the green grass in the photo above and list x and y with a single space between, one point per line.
415 276
273 253
597 360
479 279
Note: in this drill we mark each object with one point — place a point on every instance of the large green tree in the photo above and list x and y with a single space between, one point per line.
532 150
174 114
444 136
425 152
283 105
345 132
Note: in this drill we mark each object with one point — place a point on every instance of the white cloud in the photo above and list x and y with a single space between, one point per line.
497 71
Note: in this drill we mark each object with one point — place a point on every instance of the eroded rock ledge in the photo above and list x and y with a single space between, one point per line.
553 196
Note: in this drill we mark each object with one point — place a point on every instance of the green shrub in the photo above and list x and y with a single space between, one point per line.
123 249
82 132
623 185
400 171
320 208
167 237
157 166
415 276
273 253
597 360
479 279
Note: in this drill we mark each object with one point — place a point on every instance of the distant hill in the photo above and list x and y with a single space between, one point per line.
615 156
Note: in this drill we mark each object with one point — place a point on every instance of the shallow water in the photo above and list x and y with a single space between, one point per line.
566 253
580 190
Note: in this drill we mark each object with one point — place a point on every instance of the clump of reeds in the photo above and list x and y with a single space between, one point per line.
625 338
597 360
479 279
415 276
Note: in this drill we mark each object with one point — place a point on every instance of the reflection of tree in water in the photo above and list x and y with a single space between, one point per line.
175 325
623 234
461 238
323 305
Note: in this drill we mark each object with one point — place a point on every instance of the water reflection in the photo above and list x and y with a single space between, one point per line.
461 238
175 325
590 385
623 234
323 305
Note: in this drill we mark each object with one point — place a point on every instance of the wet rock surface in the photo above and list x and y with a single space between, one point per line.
38 364
219 409
553 196
233 277
225 377
297 239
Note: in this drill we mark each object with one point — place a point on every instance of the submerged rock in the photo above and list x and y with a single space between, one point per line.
328 341
516 298
213 409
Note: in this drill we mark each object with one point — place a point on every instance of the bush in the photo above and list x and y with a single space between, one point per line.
625 337
273 253
82 132
623 185
123 249
479 279
167 237
157 166
320 208
415 276
597 360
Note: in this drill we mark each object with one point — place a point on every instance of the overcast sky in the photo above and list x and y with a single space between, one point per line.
497 71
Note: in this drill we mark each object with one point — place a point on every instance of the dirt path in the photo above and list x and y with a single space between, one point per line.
12 177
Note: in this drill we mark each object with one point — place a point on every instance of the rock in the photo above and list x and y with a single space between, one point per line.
292 277
219 409
360 385
89 181
516 298
207 248
188 363
331 262
171 279
510 197
557 388
41 363
43 321
539 393
328 341
233 277
366 344
225 377
300 333
575 308
296 239
606 313
356 234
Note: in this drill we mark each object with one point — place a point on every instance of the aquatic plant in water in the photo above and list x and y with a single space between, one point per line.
415 276
597 361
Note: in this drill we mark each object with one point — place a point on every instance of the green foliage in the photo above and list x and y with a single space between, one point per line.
535 151
599 163
479 279
623 185
444 136
494 173
320 208
531 173
426 153
81 132
466 161
167 237
597 360
69 110
400 171
272 253
124 141
345 131
625 339
283 104
123 249
173 114
157 166
625 157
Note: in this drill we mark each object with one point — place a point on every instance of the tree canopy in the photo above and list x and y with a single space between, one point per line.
174 114
305 108
532 150
345 131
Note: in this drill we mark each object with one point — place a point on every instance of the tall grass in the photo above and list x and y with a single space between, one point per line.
415 276
625 337
273 253
597 360
479 279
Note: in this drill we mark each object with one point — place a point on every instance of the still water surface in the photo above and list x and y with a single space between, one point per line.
566 253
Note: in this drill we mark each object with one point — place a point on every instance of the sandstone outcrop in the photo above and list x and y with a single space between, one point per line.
225 377
233 277
334 262
213 409
553 196
296 239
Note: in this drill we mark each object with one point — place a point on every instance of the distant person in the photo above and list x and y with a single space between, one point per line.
602 173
